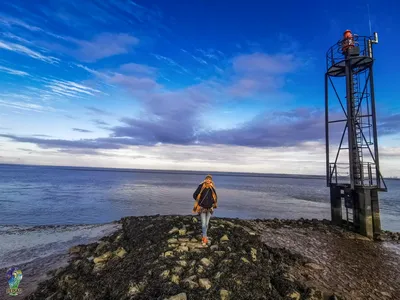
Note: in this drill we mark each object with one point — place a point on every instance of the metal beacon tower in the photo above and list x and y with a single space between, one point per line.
353 174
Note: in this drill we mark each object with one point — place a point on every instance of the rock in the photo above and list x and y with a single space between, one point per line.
194 245
218 275
121 252
314 294
183 240
227 261
220 253
238 282
67 280
101 259
169 254
165 274
294 295
102 247
224 238
173 230
119 237
173 245
253 254
361 238
200 269
214 247
195 220
224 294
172 241
194 240
77 262
205 283
245 260
87 254
182 231
75 250
205 262
191 282
181 296
182 249
313 266
229 223
177 270
192 278
98 267
182 263
135 289
175 279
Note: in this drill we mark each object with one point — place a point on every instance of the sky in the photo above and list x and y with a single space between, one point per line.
186 85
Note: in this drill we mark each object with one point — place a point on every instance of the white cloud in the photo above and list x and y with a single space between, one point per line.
13 72
26 51
170 62
22 106
71 89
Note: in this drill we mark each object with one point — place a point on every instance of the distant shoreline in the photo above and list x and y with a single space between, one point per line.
182 172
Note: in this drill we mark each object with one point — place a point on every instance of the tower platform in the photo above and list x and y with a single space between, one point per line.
360 55
360 63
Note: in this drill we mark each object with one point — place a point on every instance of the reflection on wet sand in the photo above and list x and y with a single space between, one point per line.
342 262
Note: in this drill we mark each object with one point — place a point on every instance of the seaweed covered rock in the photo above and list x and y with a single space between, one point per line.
161 257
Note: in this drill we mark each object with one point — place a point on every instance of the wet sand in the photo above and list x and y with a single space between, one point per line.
33 272
346 263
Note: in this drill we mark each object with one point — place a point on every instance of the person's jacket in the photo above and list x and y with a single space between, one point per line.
206 199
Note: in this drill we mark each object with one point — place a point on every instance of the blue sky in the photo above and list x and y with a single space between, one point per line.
207 85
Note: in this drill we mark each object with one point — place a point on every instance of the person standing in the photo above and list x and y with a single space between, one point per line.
206 200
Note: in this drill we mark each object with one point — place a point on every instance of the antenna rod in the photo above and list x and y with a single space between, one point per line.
369 21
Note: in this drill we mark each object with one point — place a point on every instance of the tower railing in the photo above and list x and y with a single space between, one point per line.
335 55
339 175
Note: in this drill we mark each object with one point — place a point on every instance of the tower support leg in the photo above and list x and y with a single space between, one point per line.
369 217
336 205
376 216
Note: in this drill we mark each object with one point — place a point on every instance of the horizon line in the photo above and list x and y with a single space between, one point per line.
159 170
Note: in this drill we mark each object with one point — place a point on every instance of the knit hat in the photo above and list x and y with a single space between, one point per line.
208 176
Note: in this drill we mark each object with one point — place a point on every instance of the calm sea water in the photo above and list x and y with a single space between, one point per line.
36 201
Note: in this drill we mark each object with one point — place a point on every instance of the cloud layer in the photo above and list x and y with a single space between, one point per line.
115 76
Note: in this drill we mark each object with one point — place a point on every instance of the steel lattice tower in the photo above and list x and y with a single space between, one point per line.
354 185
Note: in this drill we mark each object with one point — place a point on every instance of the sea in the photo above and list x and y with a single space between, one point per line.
45 210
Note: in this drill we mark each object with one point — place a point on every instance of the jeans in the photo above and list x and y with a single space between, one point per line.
205 219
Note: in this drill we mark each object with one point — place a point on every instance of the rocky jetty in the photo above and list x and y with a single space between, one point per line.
161 257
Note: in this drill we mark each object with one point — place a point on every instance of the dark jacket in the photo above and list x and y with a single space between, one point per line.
206 199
